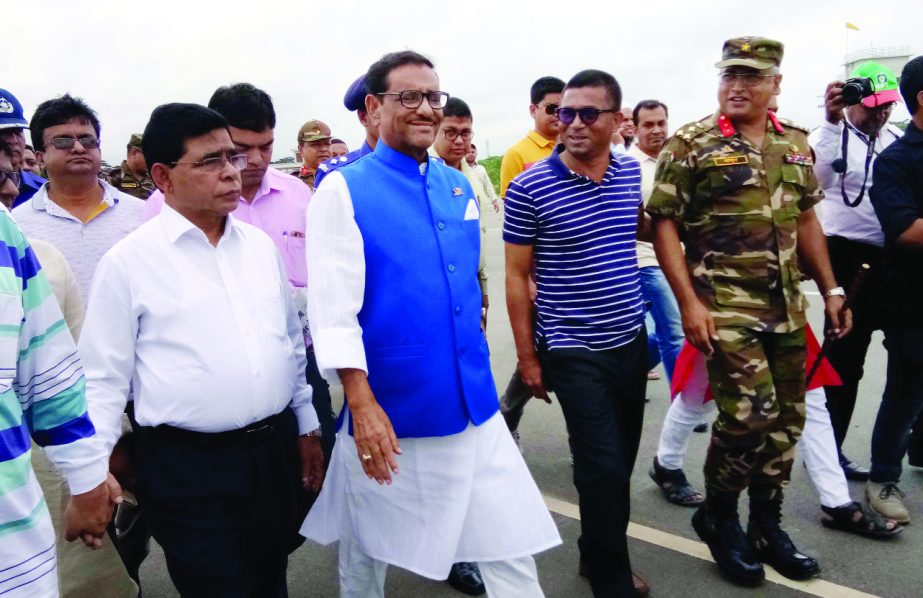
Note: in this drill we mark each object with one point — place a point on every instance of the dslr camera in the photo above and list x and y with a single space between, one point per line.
855 89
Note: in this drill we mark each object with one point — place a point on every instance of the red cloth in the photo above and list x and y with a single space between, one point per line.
689 358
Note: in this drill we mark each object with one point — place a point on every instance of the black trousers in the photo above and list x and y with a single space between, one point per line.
226 514
847 355
602 397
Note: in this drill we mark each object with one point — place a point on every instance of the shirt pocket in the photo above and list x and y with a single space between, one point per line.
293 255
794 178
741 281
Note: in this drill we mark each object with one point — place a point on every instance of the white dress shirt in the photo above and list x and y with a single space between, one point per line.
838 219
207 336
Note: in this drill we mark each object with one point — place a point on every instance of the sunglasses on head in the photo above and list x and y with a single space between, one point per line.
587 115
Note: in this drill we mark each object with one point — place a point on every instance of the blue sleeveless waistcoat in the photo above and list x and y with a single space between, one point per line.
428 363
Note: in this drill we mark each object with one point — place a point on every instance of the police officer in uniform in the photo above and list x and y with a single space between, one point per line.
738 188
132 176
354 100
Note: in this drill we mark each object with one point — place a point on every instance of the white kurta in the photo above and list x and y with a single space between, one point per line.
464 497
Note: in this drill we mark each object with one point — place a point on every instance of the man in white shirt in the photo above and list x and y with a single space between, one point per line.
193 312
845 148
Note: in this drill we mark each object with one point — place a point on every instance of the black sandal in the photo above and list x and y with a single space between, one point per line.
675 487
870 525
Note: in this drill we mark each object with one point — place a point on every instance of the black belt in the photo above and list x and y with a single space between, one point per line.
254 433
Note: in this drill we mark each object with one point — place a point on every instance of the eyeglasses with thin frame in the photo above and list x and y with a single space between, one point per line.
9 175
216 163
588 115
66 142
748 79
453 134
413 98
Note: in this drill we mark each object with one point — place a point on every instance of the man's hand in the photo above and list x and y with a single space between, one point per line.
496 206
699 327
312 462
485 305
376 442
840 319
531 373
87 515
833 102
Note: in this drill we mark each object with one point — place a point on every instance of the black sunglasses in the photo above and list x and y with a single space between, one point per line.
587 115
65 143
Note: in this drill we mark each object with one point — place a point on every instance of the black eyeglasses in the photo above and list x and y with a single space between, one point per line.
215 164
65 143
453 134
587 115
412 98
8 175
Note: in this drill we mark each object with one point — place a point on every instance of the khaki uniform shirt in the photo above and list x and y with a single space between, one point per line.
125 181
737 207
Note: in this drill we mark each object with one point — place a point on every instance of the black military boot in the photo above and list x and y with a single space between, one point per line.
728 545
773 546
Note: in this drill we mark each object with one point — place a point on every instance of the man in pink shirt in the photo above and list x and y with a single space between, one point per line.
277 204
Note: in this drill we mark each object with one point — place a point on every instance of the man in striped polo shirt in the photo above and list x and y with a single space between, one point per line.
577 215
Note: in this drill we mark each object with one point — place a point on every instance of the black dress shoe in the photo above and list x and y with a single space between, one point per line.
853 471
729 547
775 548
466 578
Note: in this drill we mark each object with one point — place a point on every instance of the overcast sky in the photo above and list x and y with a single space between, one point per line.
126 57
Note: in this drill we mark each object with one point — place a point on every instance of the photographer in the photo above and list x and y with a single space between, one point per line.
845 149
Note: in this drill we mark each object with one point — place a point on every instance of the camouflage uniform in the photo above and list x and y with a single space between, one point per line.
306 175
737 207
126 181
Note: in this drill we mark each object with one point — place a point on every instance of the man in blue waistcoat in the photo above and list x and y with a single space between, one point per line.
424 473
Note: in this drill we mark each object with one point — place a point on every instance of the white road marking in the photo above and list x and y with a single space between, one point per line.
815 587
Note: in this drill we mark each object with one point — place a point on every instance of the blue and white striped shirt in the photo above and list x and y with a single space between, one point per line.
584 235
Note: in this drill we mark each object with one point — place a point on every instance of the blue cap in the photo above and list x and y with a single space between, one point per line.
355 96
11 112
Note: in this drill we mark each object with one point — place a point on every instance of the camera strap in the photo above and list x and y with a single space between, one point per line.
870 142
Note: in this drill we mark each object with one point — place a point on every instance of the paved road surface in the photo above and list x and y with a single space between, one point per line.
664 547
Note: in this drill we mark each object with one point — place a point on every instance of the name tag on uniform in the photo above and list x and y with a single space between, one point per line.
129 185
732 160
800 159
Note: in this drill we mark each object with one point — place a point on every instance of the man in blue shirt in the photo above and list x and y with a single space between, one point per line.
354 100
424 472
577 215
897 196
12 125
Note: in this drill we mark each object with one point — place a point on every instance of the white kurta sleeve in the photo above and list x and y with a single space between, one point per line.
107 348
336 278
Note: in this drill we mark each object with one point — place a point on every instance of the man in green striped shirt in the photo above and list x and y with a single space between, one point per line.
41 396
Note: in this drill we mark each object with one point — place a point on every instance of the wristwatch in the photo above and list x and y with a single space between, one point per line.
835 291
312 434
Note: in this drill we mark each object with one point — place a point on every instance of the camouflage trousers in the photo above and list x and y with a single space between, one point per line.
758 384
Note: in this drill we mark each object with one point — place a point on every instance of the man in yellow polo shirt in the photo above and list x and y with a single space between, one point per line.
538 143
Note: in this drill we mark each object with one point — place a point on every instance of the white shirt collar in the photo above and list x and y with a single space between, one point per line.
176 225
